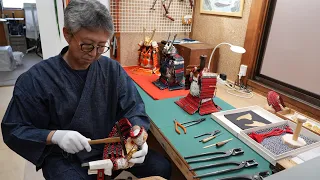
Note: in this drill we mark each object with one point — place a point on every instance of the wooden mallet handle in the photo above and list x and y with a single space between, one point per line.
105 140
300 121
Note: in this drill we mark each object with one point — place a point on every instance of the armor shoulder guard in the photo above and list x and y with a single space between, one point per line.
154 44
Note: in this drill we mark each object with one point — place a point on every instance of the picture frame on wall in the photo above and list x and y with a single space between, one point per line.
222 7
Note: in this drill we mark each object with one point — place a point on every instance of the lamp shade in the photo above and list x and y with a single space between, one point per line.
237 49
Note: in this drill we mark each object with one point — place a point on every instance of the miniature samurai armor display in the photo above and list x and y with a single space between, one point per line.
172 68
119 154
202 90
148 55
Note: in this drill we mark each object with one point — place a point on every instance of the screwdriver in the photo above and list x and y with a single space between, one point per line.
219 144
209 138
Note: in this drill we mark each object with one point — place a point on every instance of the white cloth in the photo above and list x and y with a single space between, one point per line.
105 164
7 62
70 141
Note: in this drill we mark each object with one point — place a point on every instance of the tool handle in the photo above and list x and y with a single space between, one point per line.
105 140
208 139
219 144
169 17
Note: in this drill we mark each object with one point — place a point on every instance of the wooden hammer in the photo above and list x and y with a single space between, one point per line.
112 140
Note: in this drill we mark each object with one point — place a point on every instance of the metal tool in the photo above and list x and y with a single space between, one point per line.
239 165
219 144
208 133
191 3
209 138
176 124
115 47
154 3
231 152
258 176
193 122
164 6
169 5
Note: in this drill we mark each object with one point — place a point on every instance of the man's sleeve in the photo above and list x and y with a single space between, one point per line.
130 104
23 127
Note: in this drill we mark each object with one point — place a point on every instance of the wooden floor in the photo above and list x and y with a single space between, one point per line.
13 167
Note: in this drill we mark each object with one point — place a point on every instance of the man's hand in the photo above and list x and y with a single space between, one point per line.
70 141
139 156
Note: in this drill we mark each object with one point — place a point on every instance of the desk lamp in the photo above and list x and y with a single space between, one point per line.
236 49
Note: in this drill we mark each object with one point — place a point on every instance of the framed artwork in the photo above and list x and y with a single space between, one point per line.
247 119
222 7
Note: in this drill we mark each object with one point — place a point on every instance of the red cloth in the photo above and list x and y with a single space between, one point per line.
145 82
275 132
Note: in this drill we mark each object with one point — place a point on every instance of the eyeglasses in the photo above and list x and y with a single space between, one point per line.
90 47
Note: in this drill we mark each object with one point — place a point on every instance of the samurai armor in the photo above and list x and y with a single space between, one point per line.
114 151
204 103
189 103
275 100
172 73
208 108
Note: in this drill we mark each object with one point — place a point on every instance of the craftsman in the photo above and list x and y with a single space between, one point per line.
78 94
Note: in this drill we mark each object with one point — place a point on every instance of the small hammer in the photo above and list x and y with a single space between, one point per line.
112 140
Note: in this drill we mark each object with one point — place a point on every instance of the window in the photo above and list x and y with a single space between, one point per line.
16 3
288 59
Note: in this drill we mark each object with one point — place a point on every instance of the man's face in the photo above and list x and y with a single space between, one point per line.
86 38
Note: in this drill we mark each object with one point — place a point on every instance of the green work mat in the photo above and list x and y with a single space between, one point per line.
163 112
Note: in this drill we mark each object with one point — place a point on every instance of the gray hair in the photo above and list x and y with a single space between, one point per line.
89 14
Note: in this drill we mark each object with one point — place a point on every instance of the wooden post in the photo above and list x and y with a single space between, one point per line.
300 121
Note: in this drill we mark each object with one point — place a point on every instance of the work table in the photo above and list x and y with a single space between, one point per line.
162 113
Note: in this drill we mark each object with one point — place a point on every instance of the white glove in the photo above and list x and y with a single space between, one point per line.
70 141
139 156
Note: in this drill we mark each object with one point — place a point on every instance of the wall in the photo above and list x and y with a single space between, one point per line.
50 40
129 45
214 29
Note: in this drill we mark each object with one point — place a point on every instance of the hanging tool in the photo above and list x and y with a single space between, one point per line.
191 3
258 176
193 122
166 9
114 46
176 124
164 6
219 144
239 165
208 133
231 152
153 5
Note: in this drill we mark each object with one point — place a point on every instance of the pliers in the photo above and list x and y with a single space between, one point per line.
194 122
258 176
239 165
208 133
231 152
176 124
